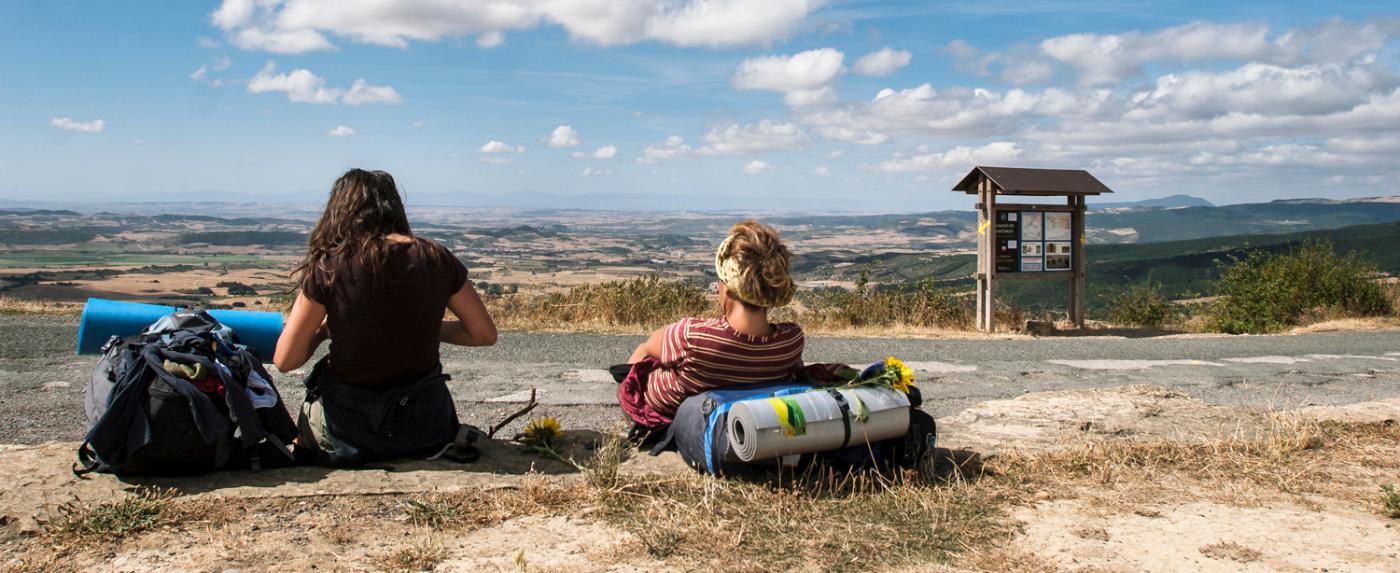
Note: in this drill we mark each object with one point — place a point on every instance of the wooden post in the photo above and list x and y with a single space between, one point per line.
982 235
1077 282
991 258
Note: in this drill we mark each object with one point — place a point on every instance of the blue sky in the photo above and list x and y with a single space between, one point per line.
723 104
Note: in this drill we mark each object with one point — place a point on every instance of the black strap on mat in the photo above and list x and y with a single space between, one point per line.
845 414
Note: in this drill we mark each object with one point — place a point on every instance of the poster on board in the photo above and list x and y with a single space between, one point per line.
1057 255
1057 226
1032 226
1008 229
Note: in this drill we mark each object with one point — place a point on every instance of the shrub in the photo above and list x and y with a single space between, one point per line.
1267 292
922 306
237 288
646 302
1142 305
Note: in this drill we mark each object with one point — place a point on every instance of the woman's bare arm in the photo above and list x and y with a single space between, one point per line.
473 326
305 330
650 348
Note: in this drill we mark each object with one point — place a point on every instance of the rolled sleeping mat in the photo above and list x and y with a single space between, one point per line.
103 319
813 421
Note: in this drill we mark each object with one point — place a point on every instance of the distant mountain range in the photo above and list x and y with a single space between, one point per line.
1168 202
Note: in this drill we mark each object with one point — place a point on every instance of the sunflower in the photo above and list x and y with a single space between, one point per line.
542 432
901 376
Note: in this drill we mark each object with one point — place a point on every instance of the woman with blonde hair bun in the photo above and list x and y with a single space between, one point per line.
695 355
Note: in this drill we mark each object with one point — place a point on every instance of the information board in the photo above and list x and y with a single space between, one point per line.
1033 241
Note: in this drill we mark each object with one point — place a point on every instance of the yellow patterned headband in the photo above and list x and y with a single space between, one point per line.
727 268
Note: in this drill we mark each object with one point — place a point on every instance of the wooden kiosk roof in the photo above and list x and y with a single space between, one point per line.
1023 181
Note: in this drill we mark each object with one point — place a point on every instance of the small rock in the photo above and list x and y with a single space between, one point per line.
56 384
1039 328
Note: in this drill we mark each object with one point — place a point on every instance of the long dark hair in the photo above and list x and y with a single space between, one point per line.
364 207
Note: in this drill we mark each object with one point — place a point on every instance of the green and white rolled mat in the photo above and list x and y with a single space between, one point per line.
766 428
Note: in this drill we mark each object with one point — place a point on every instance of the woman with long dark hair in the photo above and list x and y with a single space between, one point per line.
378 293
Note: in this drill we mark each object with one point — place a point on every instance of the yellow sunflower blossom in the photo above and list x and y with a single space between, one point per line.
902 377
542 431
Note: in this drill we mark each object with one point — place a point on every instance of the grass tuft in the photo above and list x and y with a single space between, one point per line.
149 509
423 554
1390 500
1228 550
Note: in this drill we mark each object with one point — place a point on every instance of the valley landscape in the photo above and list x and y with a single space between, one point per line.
229 256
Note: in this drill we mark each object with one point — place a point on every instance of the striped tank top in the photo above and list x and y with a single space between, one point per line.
701 354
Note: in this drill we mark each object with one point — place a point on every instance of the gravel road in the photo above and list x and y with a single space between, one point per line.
41 380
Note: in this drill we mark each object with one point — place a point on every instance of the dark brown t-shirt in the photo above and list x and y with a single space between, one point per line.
387 335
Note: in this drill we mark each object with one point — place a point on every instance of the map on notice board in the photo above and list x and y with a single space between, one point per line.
1033 241
1057 226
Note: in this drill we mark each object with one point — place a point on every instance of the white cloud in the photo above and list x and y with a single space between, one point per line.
363 93
604 152
297 26
492 39
1263 88
207 43
720 23
495 146
419 123
94 126
281 41
1027 73
821 171
563 136
340 131
494 159
765 135
674 147
756 166
803 71
1104 59
803 98
591 172
303 86
201 75
881 63
1278 156
955 159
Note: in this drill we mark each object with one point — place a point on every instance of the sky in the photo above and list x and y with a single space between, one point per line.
856 105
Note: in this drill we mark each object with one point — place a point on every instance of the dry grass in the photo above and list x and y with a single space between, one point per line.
958 513
1231 551
12 305
1347 325
811 522
1292 456
423 554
